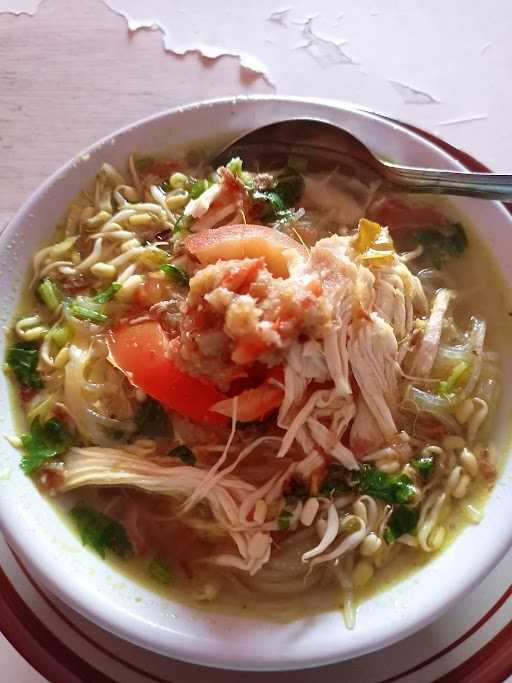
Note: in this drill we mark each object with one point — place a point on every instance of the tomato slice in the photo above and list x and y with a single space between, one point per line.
143 352
255 403
244 241
252 404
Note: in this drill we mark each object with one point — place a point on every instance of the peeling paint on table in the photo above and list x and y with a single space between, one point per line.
72 74
392 57
17 7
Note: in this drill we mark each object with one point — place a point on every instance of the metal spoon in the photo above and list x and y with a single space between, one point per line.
325 146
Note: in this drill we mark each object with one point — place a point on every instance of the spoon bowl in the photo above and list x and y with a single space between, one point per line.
327 147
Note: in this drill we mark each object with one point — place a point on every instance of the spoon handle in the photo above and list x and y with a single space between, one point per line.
482 185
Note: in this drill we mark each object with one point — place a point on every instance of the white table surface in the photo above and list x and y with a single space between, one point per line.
71 72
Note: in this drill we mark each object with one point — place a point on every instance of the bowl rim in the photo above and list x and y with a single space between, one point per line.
116 620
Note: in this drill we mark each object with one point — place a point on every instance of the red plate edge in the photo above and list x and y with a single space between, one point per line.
59 664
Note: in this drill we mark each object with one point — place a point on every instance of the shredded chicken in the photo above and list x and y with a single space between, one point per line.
373 353
120 467
365 434
426 354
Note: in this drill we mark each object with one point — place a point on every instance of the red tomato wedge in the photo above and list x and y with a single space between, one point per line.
143 353
243 241
252 404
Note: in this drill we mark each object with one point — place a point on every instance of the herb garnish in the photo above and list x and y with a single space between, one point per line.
159 570
402 521
175 273
90 308
107 294
184 454
22 358
197 188
182 225
388 487
424 464
296 490
100 531
44 442
280 197
61 335
87 314
447 387
283 521
440 246
49 294
335 482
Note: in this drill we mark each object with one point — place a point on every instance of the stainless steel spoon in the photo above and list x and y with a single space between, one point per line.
325 146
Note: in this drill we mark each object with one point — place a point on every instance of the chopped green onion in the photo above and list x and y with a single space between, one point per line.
449 385
182 225
107 294
283 521
159 570
49 294
61 335
198 188
175 273
235 166
184 454
88 314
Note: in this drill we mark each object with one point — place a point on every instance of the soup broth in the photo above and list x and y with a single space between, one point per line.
269 392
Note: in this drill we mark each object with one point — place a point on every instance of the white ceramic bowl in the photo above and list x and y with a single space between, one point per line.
53 554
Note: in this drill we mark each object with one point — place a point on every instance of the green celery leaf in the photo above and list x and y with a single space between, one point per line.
440 246
402 521
277 201
44 442
388 487
424 464
22 358
100 531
